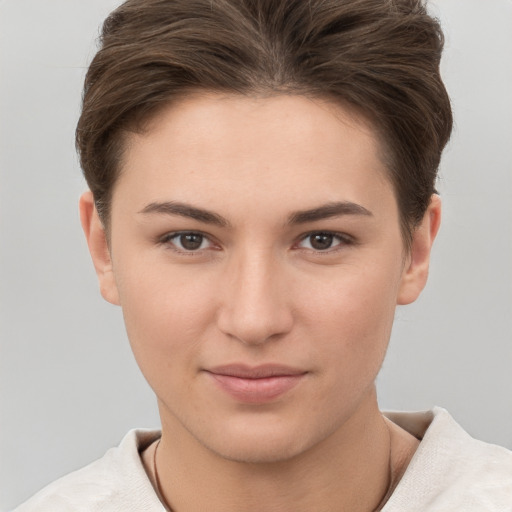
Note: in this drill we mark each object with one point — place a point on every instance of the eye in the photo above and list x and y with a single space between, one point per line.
323 241
187 241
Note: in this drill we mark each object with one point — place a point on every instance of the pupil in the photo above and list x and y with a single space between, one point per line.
191 241
321 241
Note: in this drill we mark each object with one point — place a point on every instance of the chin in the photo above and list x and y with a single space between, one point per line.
260 443
264 451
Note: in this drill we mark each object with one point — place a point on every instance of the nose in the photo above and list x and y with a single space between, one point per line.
255 300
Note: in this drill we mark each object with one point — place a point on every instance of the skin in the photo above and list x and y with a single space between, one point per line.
258 290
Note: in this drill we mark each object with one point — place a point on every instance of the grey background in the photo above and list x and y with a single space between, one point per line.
69 386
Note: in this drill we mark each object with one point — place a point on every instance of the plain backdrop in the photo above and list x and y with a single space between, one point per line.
69 387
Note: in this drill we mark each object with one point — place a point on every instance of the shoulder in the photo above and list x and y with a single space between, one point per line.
115 482
451 470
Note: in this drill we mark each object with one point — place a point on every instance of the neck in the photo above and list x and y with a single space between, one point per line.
348 471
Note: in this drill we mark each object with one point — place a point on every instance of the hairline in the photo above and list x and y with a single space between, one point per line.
142 125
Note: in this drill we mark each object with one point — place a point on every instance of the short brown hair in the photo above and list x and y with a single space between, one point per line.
380 56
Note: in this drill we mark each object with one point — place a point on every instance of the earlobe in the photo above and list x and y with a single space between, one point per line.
98 248
415 274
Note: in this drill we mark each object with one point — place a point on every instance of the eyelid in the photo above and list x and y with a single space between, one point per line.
344 238
166 239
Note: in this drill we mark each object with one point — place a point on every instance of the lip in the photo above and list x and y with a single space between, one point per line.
256 384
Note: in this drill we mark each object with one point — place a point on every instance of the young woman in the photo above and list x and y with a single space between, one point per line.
261 198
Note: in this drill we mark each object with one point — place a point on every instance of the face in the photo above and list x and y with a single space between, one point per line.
257 256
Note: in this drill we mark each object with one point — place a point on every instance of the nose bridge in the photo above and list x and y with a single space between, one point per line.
256 304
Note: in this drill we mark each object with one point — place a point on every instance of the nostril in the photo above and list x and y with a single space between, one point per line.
256 324
255 303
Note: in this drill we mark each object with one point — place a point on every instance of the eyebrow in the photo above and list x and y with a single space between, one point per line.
185 210
325 211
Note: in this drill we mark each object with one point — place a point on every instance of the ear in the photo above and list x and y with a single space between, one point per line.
415 273
98 247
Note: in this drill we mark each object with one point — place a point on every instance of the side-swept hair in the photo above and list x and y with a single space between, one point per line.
380 56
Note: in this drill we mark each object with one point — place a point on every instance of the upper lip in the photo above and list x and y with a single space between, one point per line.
244 371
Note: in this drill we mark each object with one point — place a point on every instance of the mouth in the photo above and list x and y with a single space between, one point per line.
259 384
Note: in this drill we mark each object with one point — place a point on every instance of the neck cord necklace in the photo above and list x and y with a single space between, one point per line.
157 481
380 506
391 476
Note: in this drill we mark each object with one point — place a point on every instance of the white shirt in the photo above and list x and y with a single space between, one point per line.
450 471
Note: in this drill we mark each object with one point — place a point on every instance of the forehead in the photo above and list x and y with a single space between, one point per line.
209 147
243 122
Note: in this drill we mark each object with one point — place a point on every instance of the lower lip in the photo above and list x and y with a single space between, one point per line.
256 390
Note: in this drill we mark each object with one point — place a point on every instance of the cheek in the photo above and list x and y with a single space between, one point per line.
352 321
166 314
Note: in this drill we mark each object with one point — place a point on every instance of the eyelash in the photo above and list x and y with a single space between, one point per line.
343 241
168 238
